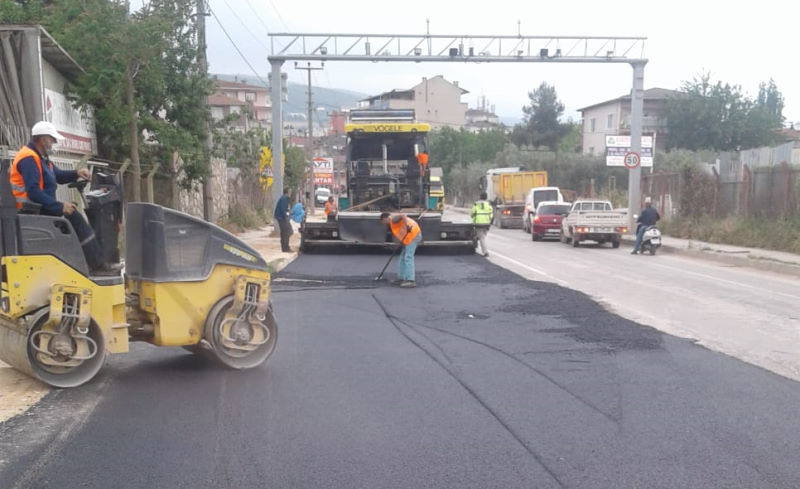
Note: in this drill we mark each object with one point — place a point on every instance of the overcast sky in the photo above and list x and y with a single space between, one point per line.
738 45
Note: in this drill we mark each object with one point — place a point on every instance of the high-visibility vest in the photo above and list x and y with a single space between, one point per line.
482 212
330 208
17 182
404 228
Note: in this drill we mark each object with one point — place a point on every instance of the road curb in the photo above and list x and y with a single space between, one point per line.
736 259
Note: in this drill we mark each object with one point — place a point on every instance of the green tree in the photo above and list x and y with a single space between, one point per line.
541 125
721 117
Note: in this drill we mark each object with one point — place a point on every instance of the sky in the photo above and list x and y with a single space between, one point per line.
735 44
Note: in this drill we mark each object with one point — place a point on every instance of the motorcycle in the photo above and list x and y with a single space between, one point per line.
651 240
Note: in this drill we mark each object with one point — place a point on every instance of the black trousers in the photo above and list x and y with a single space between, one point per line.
89 243
286 230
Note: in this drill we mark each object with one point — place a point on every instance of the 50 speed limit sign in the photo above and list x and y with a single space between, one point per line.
632 160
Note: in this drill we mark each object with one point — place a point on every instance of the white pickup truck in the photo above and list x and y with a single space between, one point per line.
594 220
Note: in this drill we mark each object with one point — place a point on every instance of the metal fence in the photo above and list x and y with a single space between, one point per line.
761 182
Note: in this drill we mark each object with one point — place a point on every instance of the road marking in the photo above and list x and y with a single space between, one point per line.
731 282
528 267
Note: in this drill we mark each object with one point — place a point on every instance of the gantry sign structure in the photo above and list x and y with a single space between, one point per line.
433 48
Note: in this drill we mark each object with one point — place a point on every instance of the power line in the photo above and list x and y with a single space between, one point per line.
237 49
280 17
245 26
258 16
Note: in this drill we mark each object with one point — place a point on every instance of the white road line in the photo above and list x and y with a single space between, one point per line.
726 281
527 267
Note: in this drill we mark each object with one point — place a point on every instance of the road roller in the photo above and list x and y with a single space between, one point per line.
183 282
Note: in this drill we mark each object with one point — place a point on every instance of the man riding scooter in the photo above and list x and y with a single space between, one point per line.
648 218
34 179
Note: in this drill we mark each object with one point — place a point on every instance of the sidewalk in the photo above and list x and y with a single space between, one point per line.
774 261
18 392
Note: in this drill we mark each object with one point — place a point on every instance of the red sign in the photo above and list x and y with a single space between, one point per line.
632 160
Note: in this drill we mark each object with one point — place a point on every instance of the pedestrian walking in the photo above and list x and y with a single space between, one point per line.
481 214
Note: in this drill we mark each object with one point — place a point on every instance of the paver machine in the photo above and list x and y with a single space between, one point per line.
387 171
186 283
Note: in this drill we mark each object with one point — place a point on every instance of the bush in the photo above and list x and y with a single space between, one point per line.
241 218
779 235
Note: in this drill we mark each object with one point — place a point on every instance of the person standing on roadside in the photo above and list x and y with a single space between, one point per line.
481 214
282 216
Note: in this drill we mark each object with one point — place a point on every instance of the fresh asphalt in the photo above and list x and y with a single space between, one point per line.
477 378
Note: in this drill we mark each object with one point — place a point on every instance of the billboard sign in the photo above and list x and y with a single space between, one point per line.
617 147
323 171
75 125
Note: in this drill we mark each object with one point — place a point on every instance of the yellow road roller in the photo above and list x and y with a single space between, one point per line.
185 283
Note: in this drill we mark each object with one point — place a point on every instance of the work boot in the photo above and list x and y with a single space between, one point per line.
634 252
408 284
396 281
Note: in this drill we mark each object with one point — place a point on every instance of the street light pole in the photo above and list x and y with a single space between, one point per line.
309 183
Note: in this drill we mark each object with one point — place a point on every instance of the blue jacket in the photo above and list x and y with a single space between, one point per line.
649 217
298 212
52 178
282 208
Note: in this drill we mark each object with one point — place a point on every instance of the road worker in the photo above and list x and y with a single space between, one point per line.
408 233
481 214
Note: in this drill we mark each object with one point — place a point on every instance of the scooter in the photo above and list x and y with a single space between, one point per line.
651 240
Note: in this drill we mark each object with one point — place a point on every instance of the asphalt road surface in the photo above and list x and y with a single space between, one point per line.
478 378
747 313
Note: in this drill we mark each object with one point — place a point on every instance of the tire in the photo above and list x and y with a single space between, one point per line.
615 243
575 242
652 250
235 358
535 237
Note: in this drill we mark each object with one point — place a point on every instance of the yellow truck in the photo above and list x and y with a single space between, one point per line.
506 189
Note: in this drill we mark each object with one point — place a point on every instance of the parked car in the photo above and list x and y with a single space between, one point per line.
534 197
321 195
546 221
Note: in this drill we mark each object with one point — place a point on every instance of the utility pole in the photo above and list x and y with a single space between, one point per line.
310 141
208 203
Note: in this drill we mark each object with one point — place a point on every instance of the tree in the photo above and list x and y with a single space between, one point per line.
141 75
720 117
541 125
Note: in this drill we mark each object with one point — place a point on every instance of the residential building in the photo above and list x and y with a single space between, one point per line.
612 118
255 102
434 100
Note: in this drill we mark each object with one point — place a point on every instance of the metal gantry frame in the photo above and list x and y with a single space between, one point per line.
437 48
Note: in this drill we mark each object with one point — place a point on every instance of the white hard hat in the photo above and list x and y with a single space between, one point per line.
647 200
44 128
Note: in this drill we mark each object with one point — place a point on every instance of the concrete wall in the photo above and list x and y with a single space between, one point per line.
191 201
438 102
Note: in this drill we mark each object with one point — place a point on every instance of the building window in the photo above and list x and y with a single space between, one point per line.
250 97
217 113
591 150
592 124
235 109
610 122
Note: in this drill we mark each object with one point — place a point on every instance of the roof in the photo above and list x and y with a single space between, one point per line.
649 94
397 93
389 95
52 51
230 84
224 101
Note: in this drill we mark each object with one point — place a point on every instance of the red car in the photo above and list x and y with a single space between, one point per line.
546 221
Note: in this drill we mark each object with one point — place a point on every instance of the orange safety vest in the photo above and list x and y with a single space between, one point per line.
404 228
17 182
330 208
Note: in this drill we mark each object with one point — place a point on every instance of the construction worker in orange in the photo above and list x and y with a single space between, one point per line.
331 209
409 234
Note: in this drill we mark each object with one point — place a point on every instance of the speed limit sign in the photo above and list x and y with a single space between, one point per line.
632 160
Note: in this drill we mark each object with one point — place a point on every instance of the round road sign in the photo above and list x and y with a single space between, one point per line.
632 160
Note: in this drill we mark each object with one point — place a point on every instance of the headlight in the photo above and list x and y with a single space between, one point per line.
335 234
443 235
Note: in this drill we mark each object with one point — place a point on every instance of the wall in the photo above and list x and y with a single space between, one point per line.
191 201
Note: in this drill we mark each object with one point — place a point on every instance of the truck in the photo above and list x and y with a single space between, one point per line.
593 220
387 170
506 189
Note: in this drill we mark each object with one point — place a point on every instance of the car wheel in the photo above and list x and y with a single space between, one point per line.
615 243
575 242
